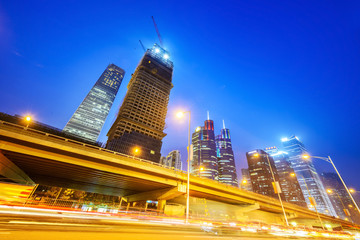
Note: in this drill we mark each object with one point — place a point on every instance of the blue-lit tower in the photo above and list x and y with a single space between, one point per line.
89 118
204 162
310 183
226 161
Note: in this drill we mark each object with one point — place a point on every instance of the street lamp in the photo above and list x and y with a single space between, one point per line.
275 186
328 159
136 151
28 120
180 115
311 199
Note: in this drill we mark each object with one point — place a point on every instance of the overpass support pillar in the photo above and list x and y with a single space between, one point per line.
161 205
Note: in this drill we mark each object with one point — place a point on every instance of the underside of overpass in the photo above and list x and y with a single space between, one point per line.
52 160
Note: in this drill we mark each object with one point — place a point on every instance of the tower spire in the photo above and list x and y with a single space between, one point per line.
224 124
208 115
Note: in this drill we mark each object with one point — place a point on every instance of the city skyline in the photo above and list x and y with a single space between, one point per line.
312 124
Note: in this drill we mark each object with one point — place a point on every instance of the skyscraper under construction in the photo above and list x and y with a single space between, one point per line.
141 119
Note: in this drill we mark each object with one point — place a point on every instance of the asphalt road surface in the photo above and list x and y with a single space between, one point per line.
37 225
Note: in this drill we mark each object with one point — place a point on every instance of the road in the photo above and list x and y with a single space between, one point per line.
30 224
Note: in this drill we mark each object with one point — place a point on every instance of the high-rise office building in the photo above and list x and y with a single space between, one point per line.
245 182
289 184
339 197
141 120
89 118
172 160
307 176
226 161
260 172
204 162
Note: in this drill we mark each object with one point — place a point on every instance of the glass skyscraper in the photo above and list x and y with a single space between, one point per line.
89 118
204 162
307 176
141 119
287 178
173 160
226 161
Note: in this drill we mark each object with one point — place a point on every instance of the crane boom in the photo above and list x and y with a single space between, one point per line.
157 31
142 46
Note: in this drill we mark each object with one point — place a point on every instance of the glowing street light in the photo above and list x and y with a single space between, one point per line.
28 120
292 174
180 115
136 151
244 181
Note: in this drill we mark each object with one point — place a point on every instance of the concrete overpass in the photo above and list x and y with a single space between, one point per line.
42 158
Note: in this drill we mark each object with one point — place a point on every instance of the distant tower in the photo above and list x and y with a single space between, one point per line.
305 170
141 119
204 162
339 197
173 160
260 172
89 118
225 154
287 177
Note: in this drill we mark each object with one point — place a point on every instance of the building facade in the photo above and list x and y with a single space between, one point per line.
141 119
307 176
339 197
90 116
204 162
289 184
260 172
172 160
226 161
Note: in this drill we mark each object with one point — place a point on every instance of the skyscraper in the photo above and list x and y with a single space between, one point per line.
339 197
287 177
307 176
172 160
226 161
141 119
260 172
89 118
204 162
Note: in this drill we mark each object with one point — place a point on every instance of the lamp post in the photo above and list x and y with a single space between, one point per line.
275 187
28 120
311 199
181 114
136 151
328 159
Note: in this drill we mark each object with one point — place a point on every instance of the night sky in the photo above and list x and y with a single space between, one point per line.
270 69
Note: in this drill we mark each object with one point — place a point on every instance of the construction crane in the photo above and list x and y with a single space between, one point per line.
157 31
142 45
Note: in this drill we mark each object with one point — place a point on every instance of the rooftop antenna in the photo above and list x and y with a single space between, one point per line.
157 31
142 45
224 124
208 115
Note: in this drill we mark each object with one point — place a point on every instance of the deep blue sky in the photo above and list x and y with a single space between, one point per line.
270 69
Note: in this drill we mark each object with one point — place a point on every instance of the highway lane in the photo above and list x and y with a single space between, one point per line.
38 224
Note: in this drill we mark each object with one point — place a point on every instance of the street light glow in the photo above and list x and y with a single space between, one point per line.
28 118
166 56
256 155
292 174
305 156
201 168
352 190
244 181
329 191
180 114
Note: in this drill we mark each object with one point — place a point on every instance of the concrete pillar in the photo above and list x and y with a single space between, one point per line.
161 205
